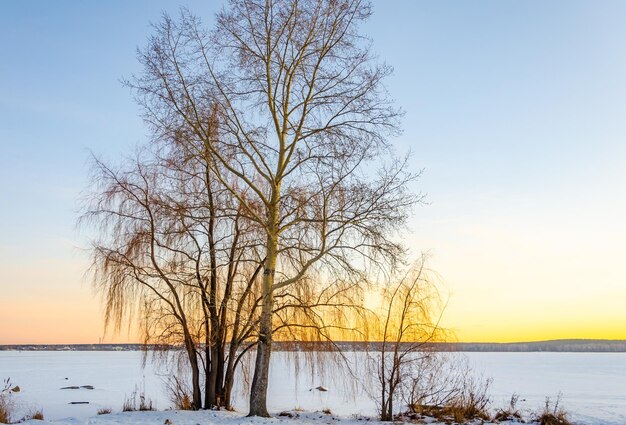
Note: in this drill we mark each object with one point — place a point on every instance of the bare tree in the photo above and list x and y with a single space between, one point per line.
409 324
174 248
303 126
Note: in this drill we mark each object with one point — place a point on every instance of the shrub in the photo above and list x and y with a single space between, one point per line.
446 389
137 401
553 415
145 404
511 413
5 411
179 394
6 404
104 411
36 414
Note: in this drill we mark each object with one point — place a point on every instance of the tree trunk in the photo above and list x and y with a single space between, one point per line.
219 377
195 374
211 388
258 391
229 379
390 401
212 380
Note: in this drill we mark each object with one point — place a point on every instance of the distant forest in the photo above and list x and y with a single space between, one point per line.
562 346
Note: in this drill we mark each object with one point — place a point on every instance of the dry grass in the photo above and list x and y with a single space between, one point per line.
288 414
511 413
5 412
137 402
179 394
553 415
104 411
37 415
468 400
458 413
184 403
128 405
6 404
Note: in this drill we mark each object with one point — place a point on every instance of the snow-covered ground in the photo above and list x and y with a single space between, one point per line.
212 418
593 387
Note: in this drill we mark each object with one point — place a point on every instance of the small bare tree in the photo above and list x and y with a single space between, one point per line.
303 126
409 325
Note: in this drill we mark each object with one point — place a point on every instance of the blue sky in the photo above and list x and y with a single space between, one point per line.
515 110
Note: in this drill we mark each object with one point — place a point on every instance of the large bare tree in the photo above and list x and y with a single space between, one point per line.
304 122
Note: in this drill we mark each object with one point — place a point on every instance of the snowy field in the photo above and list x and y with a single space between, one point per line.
593 385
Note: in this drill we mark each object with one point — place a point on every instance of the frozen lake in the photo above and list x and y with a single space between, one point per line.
593 385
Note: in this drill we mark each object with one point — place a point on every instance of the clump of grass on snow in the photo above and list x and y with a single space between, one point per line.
6 404
137 402
36 414
553 415
511 413
179 394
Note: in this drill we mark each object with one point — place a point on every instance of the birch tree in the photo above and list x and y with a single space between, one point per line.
303 137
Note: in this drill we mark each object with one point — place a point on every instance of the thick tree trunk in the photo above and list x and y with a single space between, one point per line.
229 378
258 391
219 377
212 381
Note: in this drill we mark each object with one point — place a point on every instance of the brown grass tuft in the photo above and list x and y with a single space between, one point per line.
184 403
5 412
6 404
553 415
137 402
511 413
469 402
179 394
104 411
37 415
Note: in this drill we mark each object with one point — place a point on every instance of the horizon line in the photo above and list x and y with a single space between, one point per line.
56 344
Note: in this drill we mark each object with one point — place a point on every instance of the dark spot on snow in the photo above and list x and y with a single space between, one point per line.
76 387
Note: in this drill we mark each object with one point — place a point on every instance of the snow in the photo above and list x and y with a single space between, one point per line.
177 417
592 387
114 375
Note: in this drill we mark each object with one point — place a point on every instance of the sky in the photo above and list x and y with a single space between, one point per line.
515 111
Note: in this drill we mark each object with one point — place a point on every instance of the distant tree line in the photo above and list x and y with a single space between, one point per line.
579 345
